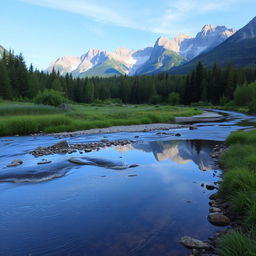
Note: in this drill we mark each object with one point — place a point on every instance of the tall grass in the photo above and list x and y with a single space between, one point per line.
239 187
26 109
237 244
27 118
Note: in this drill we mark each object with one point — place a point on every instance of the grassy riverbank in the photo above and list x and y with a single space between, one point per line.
27 118
239 188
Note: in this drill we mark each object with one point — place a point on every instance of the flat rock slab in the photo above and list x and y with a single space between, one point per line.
98 162
206 116
193 243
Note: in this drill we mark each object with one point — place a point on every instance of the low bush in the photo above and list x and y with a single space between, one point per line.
50 97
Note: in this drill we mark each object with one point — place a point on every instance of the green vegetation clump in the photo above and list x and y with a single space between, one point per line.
14 109
245 95
239 188
50 97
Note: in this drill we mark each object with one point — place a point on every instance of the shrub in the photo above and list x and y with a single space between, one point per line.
50 97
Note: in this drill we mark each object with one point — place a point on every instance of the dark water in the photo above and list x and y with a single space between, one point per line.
94 211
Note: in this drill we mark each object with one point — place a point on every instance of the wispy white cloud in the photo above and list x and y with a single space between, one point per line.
98 12
179 11
169 17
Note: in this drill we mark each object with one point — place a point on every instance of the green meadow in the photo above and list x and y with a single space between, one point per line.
28 118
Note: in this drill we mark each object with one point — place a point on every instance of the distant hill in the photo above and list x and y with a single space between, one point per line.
239 49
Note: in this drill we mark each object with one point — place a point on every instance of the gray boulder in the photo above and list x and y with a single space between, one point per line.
193 243
218 219
65 107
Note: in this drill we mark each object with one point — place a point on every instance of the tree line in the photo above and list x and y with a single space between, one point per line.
216 85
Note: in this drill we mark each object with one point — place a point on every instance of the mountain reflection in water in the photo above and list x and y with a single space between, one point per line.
180 152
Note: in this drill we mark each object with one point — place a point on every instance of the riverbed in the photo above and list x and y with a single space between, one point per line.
96 211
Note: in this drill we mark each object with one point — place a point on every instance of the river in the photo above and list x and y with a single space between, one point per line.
96 211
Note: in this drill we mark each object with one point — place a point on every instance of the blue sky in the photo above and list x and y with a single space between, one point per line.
44 30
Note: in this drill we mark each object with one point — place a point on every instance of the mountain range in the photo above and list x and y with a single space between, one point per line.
239 49
163 56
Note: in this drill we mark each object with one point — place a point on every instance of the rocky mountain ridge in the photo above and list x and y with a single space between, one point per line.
164 55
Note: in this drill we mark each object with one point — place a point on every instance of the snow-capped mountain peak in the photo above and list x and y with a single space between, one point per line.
165 54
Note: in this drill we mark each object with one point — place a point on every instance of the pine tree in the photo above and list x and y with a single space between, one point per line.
56 84
89 91
5 89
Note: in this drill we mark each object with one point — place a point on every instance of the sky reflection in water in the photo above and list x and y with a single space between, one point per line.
96 211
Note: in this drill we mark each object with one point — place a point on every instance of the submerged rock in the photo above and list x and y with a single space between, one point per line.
98 162
133 165
218 219
193 243
15 163
132 175
44 162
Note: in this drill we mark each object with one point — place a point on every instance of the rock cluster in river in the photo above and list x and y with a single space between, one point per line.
63 147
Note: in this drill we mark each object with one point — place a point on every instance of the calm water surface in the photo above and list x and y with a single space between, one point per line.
94 211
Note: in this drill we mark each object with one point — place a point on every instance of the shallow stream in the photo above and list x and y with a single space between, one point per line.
96 211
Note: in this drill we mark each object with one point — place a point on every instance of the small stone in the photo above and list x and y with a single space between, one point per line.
193 243
210 187
132 175
44 162
133 165
15 163
218 219
177 134
215 209
213 196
